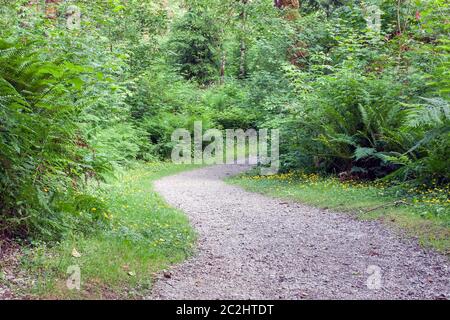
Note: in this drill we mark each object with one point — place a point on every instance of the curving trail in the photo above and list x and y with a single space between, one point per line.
255 247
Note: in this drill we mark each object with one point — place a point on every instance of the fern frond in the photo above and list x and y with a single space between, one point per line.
433 114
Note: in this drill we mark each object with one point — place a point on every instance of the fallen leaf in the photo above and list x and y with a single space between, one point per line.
303 295
132 274
75 253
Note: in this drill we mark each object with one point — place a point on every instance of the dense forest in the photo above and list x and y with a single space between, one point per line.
358 89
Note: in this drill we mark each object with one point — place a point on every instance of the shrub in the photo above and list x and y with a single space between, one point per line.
43 156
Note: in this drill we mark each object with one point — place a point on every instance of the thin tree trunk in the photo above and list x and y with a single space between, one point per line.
243 47
242 66
223 63
223 60
399 24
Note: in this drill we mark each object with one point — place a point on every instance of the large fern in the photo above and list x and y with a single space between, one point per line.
433 118
41 154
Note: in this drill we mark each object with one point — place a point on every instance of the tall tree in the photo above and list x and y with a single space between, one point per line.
243 46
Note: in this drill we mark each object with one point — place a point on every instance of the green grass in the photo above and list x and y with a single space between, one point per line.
422 213
145 236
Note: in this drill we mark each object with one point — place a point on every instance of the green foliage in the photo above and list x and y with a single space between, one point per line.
347 98
65 115
43 155
194 44
371 104
229 105
432 120
360 122
146 236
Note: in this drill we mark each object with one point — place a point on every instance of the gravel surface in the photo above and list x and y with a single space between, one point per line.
255 247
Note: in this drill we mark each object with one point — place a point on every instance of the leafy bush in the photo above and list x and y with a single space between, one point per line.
42 154
193 45
360 108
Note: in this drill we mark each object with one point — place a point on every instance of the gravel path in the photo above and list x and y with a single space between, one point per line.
256 247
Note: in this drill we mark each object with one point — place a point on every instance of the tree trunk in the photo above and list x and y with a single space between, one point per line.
242 66
291 7
51 8
243 48
223 59
222 68
288 4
